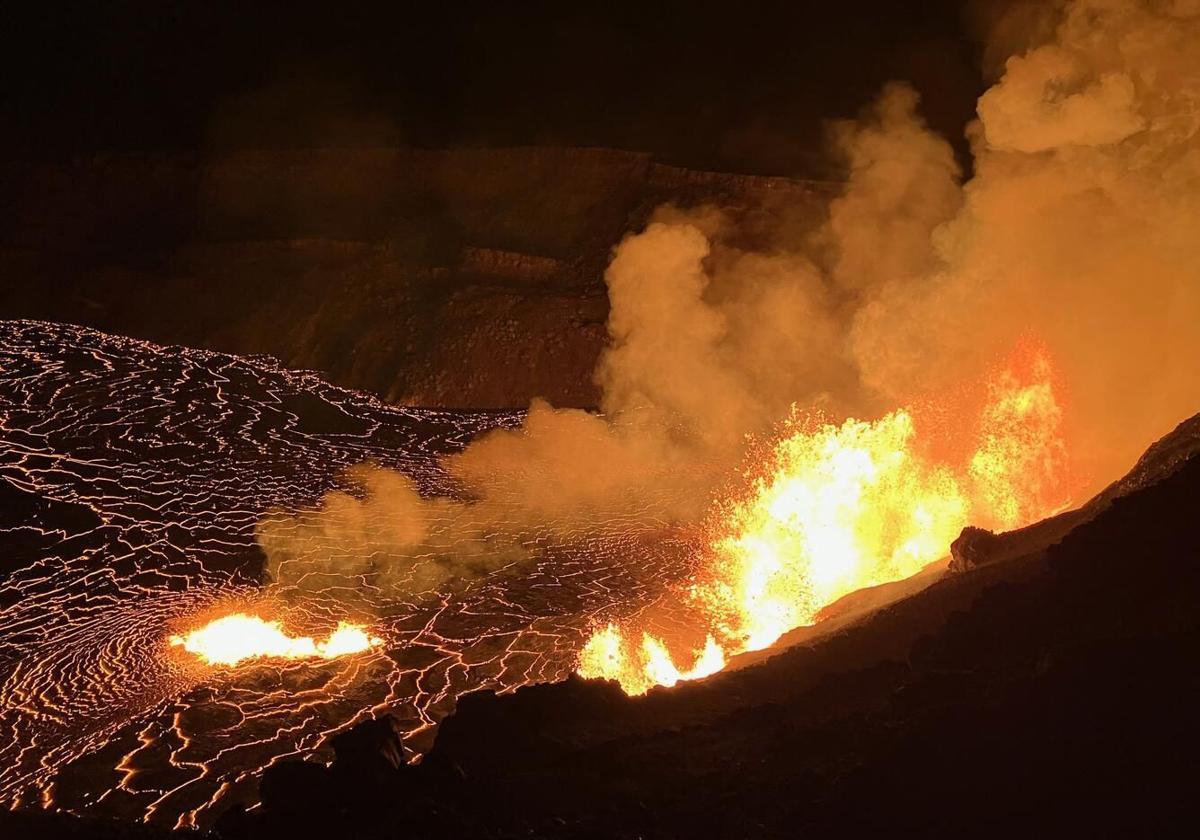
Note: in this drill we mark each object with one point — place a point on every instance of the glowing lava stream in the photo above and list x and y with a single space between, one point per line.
838 508
238 637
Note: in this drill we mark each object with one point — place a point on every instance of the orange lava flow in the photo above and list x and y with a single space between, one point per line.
837 508
239 637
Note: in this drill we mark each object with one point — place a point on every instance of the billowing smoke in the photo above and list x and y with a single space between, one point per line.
1079 227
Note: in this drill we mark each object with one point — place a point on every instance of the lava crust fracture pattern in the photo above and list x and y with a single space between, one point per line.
132 477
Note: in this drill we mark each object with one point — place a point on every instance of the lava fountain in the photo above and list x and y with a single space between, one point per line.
834 508
239 637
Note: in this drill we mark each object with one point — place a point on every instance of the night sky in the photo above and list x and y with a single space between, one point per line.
727 86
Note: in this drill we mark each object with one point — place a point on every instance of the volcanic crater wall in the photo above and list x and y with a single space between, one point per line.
456 278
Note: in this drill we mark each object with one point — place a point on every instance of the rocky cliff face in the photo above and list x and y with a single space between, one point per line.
462 278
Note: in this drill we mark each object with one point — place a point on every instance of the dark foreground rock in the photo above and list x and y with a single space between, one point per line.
974 547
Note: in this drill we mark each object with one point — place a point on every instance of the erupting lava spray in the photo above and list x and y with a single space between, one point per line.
841 507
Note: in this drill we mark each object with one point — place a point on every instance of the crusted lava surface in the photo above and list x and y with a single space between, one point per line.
132 477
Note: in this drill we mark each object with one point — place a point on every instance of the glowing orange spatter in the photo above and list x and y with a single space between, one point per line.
238 637
843 507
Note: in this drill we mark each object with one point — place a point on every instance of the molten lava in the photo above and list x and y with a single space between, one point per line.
238 637
841 507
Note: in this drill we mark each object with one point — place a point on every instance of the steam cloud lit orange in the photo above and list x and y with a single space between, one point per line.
238 637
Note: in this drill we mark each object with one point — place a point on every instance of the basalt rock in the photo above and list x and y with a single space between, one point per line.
372 748
974 547
296 789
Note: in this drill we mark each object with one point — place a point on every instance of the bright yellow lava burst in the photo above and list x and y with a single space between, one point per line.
238 637
843 507
847 507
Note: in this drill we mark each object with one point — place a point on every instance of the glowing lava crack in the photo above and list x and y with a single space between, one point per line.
238 637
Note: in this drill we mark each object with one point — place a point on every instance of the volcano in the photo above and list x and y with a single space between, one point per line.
599 420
